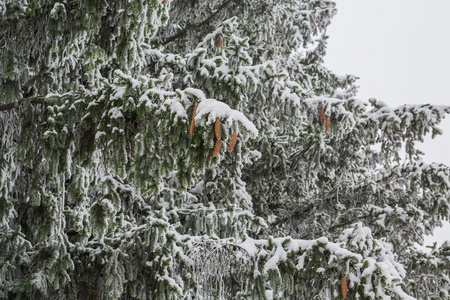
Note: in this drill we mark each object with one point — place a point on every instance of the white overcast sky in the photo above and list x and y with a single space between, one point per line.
400 49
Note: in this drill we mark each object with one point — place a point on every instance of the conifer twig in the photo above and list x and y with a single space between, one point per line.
298 213
11 105
189 26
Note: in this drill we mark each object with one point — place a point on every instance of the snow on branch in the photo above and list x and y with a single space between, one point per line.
12 105
196 26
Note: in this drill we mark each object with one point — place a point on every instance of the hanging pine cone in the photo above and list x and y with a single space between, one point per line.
193 120
327 124
322 114
195 110
217 128
217 148
233 141
344 287
191 131
219 42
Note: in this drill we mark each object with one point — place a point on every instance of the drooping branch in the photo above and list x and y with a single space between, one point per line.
191 26
298 213
354 220
11 105
8 106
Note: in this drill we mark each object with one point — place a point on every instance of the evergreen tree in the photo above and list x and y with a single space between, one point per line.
170 149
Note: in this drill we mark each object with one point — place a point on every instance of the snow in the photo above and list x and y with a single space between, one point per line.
119 93
199 187
398 290
56 8
214 109
99 134
256 153
272 263
116 113
249 246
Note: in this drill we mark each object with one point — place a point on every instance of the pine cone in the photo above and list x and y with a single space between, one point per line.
233 141
217 148
344 287
327 124
192 127
193 120
217 128
322 114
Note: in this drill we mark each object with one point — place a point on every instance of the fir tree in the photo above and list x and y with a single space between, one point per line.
169 149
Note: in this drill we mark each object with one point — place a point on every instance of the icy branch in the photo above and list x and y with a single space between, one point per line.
33 100
196 26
